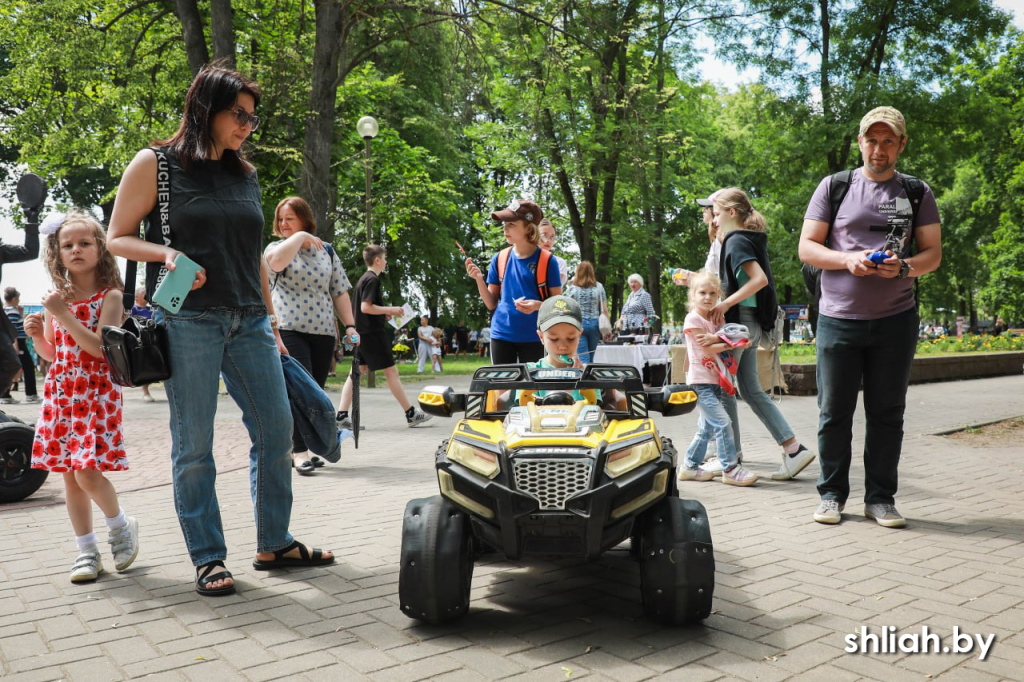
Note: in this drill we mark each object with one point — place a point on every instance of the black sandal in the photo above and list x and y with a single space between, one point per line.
305 469
204 578
305 559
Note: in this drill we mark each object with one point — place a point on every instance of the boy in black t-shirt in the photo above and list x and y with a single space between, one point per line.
374 349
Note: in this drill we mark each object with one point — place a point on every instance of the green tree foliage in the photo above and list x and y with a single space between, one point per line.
829 62
1002 166
594 108
88 101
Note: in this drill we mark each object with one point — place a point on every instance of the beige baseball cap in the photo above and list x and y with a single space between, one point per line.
887 115
558 309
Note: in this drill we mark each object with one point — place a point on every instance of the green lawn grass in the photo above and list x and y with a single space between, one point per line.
462 366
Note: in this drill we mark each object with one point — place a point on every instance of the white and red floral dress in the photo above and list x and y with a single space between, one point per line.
79 424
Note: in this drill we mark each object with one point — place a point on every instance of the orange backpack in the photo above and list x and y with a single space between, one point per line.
542 269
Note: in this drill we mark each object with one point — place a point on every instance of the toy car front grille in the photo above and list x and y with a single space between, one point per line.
552 481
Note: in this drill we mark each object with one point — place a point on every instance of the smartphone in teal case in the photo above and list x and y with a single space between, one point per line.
174 287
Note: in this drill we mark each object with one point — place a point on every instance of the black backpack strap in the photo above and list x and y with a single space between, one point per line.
838 186
914 188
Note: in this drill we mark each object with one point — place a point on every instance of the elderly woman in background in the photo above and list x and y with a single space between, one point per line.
638 307
589 293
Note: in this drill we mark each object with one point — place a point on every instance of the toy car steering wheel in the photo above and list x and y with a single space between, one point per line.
556 398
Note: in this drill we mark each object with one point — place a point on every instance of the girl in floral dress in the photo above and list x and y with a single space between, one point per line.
79 429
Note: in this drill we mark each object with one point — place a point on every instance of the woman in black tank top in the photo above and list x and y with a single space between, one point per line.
202 199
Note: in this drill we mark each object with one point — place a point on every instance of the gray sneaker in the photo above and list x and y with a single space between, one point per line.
417 418
33 399
124 543
885 514
11 401
829 511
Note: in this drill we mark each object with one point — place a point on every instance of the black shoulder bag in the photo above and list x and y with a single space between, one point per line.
136 351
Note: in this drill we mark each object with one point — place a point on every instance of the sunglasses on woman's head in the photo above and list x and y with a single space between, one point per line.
244 118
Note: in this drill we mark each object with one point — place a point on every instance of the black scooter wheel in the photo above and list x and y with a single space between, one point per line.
18 479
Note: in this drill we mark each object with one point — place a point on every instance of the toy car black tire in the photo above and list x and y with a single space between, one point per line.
18 479
437 561
677 563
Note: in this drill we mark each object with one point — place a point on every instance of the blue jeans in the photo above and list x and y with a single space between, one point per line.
749 386
589 339
239 343
879 354
714 421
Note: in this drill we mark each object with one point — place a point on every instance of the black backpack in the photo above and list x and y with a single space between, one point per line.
838 187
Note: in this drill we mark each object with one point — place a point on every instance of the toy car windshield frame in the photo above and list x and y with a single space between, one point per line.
622 378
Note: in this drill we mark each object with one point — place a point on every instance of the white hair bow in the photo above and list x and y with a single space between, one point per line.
52 224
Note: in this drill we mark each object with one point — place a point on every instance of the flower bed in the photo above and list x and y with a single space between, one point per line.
971 365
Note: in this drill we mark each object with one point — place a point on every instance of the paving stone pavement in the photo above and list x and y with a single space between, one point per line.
788 590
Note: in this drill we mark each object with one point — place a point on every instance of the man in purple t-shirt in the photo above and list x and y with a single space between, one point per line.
868 324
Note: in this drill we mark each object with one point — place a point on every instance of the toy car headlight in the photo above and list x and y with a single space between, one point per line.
475 459
627 459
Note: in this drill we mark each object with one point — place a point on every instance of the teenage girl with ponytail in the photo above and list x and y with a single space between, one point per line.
747 285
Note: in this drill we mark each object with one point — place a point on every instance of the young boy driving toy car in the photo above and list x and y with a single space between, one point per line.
559 325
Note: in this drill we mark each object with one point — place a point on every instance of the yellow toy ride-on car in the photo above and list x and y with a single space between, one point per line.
556 463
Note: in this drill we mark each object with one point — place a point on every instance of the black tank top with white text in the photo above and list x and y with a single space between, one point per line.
216 219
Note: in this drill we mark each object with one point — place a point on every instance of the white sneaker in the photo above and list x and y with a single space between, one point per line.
9 401
124 543
87 566
33 399
793 464
417 418
712 466
739 477
698 474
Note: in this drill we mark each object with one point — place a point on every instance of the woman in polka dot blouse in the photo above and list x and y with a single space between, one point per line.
309 286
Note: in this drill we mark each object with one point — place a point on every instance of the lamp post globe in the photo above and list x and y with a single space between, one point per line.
367 127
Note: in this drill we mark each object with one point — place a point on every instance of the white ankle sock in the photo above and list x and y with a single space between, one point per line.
84 542
119 521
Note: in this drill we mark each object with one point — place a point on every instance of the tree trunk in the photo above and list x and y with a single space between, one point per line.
658 221
192 32
315 181
222 27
